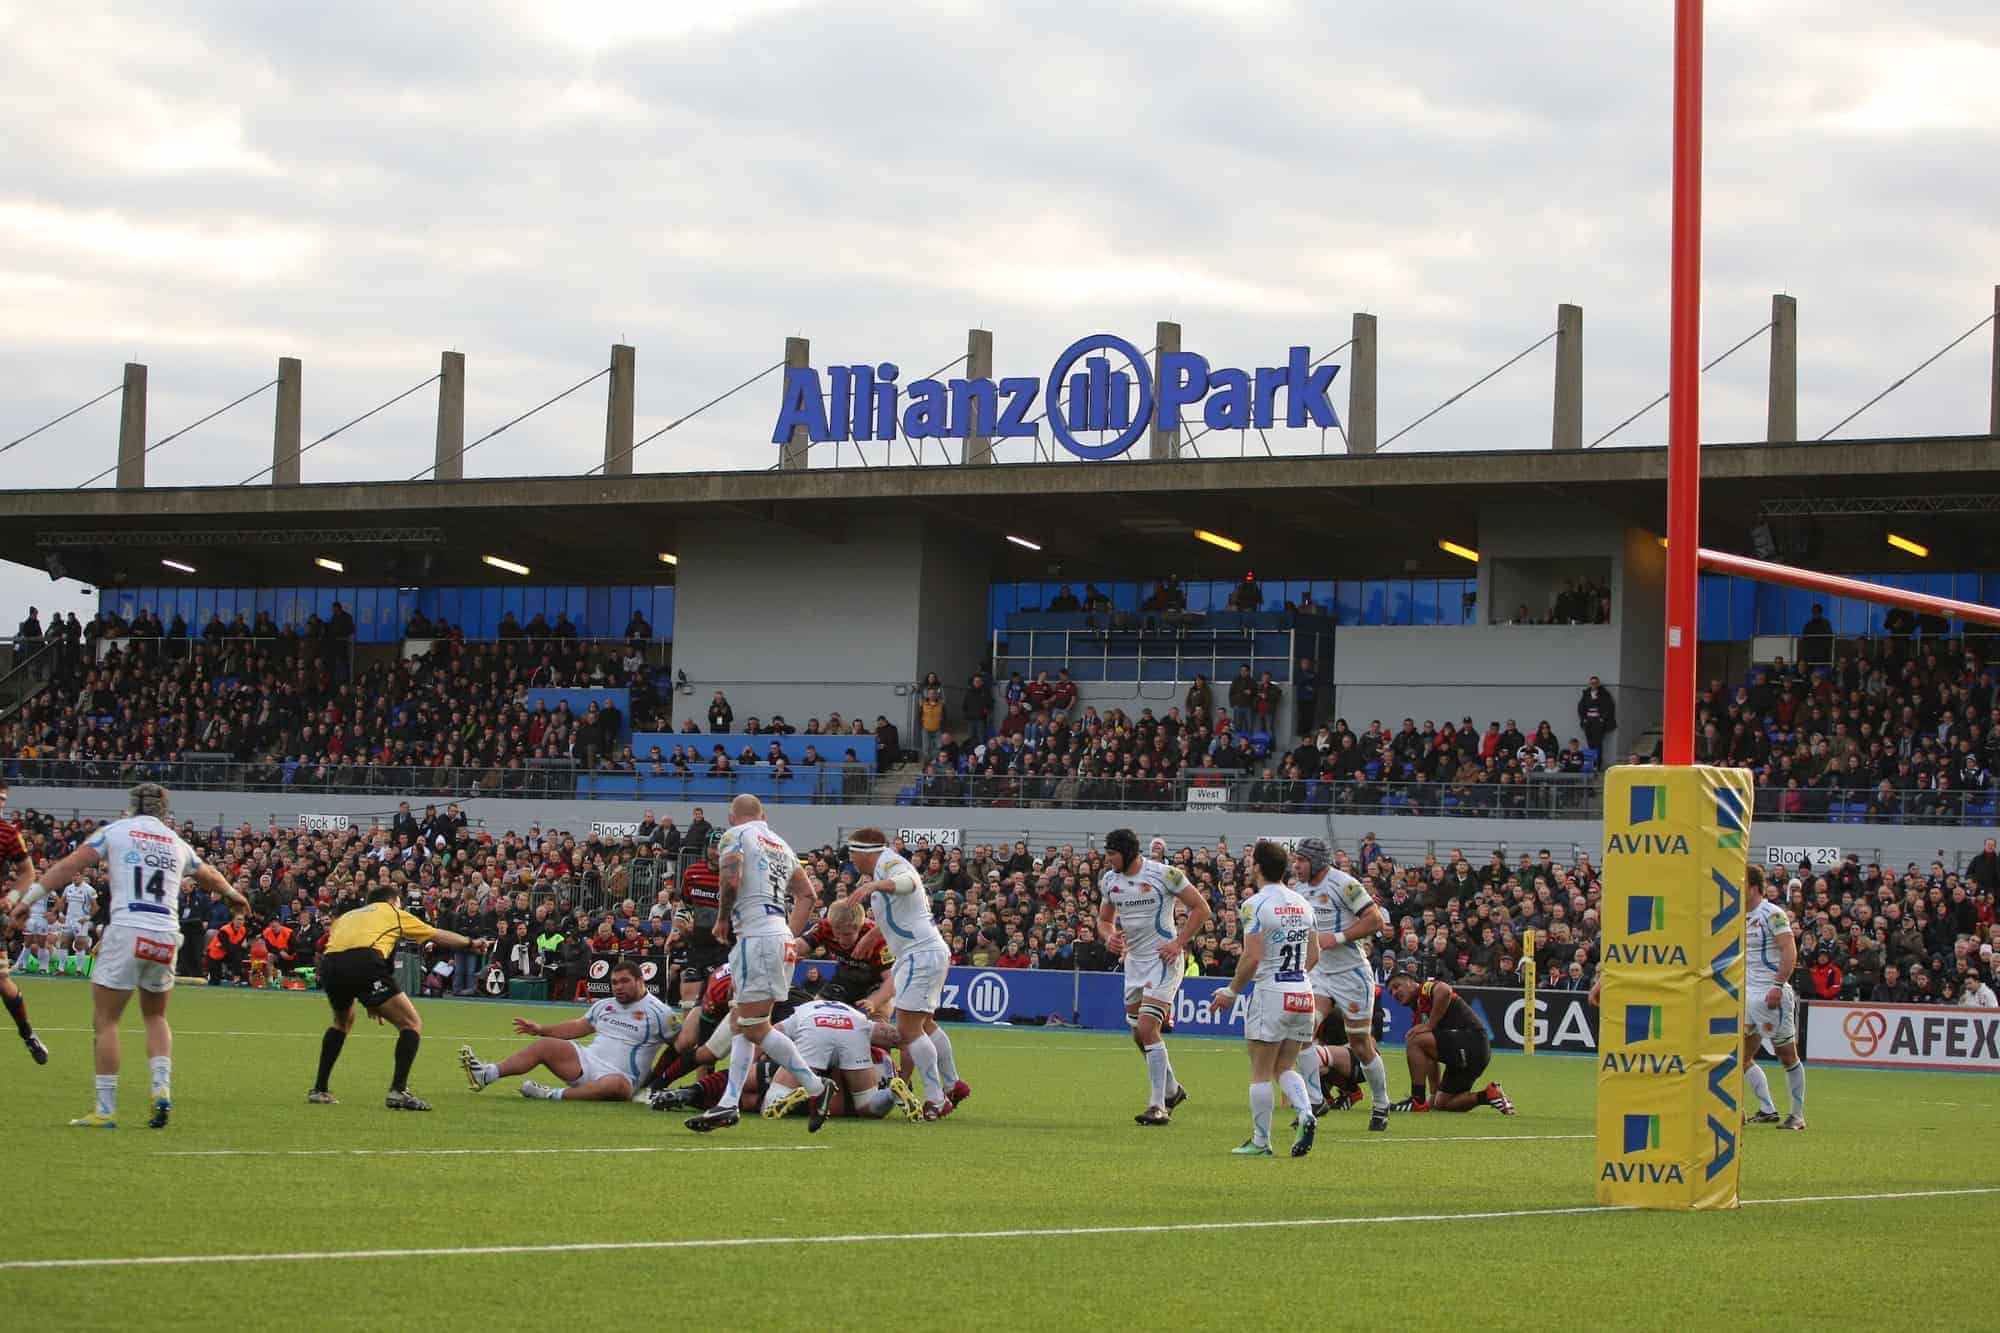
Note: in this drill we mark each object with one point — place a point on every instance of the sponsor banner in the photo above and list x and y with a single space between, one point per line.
933 837
1903 1036
1818 859
324 823
1564 1020
1206 800
613 829
1669 1081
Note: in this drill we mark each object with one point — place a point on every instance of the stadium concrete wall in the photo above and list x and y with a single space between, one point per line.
1403 837
1486 672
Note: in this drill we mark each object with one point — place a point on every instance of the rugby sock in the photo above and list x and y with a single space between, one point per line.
923 1054
1760 1088
874 1104
1377 1075
17 1007
107 1094
947 1063
1293 1085
1261 1101
329 1051
671 1065
780 1048
162 1069
1309 1071
742 1055
708 1089
1157 1071
407 1042
1795 1081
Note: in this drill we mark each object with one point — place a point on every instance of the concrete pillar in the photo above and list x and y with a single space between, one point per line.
1166 340
792 453
285 435
1569 377
1782 416
978 366
132 429
1993 425
1361 387
618 412
451 418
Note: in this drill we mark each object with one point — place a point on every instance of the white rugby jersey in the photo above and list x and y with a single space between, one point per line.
1338 900
630 1038
904 915
1144 902
146 862
764 892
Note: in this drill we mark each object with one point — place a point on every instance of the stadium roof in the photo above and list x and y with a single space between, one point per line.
1319 515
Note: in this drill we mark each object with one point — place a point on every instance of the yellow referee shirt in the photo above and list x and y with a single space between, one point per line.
377 926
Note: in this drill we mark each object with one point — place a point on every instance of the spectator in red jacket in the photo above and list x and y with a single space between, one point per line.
1826 976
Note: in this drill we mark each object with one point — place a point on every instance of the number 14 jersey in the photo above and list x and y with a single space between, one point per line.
145 862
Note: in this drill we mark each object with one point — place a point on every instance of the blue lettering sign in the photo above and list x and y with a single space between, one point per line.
1099 384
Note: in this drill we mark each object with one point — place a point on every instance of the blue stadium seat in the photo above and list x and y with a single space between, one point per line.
1591 759
1260 743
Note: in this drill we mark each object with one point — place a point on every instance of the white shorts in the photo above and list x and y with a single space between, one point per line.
594 1067
919 979
1778 1026
121 967
824 1046
74 930
1151 979
1352 992
760 968
720 1040
1279 1013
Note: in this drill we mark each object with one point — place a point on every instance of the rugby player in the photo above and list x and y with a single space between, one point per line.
1770 1007
694 924
79 900
862 959
704 1036
1135 918
839 1038
918 972
356 968
18 867
1280 947
760 875
140 939
631 1027
1345 916
1447 1048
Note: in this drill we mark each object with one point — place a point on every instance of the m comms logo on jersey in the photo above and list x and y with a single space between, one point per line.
1100 384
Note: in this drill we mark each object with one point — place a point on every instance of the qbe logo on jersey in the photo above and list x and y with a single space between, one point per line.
985 999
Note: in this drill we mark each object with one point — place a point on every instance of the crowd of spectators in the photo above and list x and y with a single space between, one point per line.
552 900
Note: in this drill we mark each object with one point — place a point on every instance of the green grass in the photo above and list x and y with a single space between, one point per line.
1047 1142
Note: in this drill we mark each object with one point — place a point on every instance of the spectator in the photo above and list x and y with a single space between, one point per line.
930 722
28 637
720 714
1242 700
1891 989
978 707
1597 714
1816 639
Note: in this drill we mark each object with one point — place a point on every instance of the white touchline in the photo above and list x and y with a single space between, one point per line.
1021 1233
472 1152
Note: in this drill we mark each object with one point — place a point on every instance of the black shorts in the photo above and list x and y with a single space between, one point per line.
360 976
703 957
1463 1054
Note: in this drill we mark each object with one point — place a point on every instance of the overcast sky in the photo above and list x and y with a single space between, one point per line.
205 187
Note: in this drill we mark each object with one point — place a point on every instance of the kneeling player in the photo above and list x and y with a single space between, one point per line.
1447 1049
836 1037
631 1027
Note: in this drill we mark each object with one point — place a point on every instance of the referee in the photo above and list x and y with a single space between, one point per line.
356 967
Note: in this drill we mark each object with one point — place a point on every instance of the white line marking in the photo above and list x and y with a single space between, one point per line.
1390 1141
1019 1233
471 1152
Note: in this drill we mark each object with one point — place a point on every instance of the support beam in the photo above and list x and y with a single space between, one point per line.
1361 419
1993 419
792 453
1569 377
1782 417
978 366
285 434
451 418
618 412
132 430
1834 585
1166 340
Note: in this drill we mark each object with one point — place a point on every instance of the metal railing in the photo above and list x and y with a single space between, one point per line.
1541 796
1160 652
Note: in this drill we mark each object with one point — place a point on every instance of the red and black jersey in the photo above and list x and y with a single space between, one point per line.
12 846
869 952
701 892
1457 1014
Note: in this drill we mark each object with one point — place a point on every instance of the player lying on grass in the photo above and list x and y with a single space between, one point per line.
1447 1048
631 1027
834 1037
